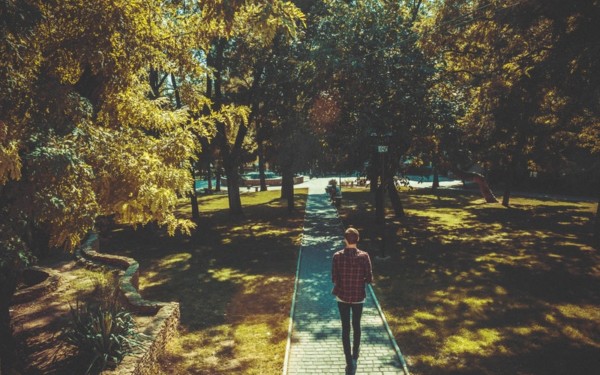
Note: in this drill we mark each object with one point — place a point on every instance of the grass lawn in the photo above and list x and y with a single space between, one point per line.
233 279
475 288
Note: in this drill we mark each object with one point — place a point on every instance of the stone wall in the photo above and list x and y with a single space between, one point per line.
164 316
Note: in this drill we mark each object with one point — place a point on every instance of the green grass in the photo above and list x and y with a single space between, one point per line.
475 288
233 279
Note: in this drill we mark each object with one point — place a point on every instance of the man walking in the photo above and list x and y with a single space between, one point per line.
351 271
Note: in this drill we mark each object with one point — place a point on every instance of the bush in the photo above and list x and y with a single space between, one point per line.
103 333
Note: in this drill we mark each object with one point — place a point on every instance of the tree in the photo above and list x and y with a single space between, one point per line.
82 134
238 63
514 67
374 81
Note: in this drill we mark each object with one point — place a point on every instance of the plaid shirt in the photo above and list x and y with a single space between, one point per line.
351 269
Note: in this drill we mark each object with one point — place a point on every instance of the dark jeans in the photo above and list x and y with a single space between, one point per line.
345 309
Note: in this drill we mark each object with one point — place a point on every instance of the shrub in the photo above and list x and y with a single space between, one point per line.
103 333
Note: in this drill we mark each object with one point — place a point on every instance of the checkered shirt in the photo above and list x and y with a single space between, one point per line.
351 270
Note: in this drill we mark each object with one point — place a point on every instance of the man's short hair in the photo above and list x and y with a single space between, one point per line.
351 235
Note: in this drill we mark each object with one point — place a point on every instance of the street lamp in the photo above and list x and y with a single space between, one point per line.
382 149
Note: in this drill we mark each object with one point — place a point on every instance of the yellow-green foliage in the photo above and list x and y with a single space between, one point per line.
78 119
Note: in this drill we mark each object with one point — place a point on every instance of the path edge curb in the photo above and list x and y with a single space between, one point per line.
288 345
389 332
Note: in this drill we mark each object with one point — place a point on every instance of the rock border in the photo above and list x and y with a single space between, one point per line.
166 315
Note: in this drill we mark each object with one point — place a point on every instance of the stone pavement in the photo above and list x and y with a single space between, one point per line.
315 345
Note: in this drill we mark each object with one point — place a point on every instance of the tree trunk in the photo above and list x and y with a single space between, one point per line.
176 89
373 177
287 187
380 204
233 186
376 188
484 188
218 179
416 6
379 200
597 228
261 166
395 198
230 154
209 175
194 200
509 180
193 197
206 110
156 82
436 179
8 286
283 194
232 166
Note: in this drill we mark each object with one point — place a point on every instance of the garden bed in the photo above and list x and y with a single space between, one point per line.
41 310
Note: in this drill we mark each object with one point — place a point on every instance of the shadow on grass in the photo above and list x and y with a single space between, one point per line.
233 279
474 288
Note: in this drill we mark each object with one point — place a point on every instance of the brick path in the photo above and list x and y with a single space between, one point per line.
315 345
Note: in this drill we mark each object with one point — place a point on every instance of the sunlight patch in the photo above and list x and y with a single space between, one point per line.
477 303
480 342
529 330
230 274
424 315
522 260
173 260
423 322
577 335
257 340
586 312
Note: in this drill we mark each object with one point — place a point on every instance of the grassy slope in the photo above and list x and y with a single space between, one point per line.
233 280
474 288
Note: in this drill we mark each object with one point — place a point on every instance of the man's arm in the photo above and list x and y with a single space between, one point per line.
369 270
334 270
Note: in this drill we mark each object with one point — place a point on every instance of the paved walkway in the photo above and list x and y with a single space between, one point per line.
315 345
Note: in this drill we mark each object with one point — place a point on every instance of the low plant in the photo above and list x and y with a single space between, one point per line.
102 332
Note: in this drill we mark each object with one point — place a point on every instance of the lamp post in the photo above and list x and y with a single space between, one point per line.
382 150
381 142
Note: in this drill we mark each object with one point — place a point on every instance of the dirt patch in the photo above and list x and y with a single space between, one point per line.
37 325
